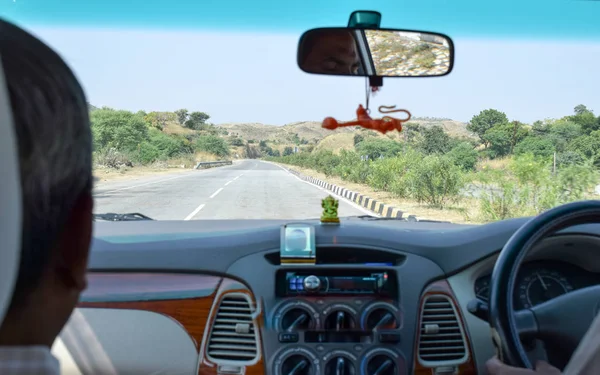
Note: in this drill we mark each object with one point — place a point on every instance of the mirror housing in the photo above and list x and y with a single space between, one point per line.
375 52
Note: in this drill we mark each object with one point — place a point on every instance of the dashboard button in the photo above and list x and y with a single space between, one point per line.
312 283
288 337
389 337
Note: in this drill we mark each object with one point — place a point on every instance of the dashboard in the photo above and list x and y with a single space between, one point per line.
362 297
540 281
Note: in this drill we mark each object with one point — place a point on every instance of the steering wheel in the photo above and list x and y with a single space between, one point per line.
561 322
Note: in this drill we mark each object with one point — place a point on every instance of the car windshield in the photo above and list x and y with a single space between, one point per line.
200 112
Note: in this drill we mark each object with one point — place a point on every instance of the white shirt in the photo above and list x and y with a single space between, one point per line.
28 360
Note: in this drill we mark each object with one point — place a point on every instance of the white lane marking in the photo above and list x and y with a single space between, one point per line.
228 182
360 208
216 192
190 216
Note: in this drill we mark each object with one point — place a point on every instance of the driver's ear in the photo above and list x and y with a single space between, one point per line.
73 247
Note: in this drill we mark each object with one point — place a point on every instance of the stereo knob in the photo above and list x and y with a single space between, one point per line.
340 366
312 283
296 319
339 320
380 316
297 365
381 364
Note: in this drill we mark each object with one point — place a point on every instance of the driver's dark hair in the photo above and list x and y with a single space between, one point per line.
310 39
51 120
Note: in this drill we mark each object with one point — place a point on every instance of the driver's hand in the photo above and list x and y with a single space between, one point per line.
496 367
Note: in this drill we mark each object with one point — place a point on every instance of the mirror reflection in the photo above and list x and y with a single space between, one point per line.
402 54
330 51
385 53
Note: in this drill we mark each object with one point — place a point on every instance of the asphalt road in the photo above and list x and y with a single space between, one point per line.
249 189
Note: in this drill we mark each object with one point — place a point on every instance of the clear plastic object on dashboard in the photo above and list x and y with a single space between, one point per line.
298 245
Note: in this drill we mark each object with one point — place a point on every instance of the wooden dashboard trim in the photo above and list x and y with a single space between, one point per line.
187 299
442 287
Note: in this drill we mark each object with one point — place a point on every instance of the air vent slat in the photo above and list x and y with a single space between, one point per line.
226 355
441 341
230 338
233 337
233 322
233 346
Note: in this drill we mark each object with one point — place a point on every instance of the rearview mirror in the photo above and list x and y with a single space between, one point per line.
375 52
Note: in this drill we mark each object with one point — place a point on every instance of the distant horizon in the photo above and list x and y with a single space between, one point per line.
414 118
253 77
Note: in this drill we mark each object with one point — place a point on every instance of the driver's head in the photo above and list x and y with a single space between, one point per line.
330 51
54 138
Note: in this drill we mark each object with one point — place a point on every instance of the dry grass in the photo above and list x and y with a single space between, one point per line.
336 143
174 165
174 128
313 132
111 174
501 164
465 212
205 156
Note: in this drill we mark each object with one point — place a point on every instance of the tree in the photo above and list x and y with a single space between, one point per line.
435 140
484 121
158 120
358 138
536 145
562 132
288 151
502 138
182 116
586 120
197 120
587 146
411 131
580 109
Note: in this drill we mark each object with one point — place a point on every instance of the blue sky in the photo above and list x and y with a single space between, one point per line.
239 66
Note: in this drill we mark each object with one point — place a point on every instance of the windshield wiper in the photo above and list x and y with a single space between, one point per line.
411 218
134 216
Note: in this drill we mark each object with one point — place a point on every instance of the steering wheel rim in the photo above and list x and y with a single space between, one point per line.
503 321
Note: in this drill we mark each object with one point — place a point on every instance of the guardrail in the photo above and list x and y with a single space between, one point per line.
210 164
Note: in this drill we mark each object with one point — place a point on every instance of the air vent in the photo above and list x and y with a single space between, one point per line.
442 338
233 337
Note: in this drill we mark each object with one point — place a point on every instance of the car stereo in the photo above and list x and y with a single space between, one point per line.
336 282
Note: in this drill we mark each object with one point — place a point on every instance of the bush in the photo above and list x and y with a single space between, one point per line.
121 130
288 151
148 153
464 156
213 145
112 158
568 158
435 180
538 146
528 187
235 141
376 148
167 146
